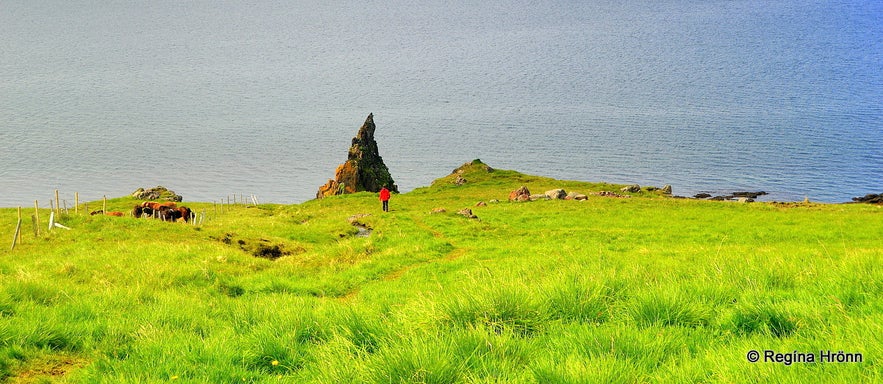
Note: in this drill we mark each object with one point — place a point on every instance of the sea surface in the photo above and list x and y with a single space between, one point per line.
216 98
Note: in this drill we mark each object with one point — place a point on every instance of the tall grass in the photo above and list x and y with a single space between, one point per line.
645 289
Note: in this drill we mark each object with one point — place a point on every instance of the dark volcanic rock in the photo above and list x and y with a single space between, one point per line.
750 195
363 170
871 198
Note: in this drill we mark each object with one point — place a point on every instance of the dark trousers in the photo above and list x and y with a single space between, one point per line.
385 205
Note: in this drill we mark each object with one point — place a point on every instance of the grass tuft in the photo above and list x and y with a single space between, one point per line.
763 319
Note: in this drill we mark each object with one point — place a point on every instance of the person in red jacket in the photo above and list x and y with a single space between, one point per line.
384 197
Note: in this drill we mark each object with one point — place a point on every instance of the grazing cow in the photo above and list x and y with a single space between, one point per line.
152 209
185 214
167 211
156 206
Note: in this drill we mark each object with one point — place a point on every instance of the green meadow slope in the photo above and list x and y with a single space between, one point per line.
612 290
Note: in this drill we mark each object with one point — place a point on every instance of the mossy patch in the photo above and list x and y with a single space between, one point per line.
263 248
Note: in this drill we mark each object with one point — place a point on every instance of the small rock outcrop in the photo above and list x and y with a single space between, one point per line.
363 170
576 196
520 194
634 188
471 166
556 194
871 198
157 193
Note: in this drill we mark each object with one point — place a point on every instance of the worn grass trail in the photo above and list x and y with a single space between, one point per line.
646 289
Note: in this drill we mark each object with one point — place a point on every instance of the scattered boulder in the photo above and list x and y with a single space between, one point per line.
466 212
481 204
611 194
494 201
539 196
459 180
156 194
580 197
666 189
520 194
364 169
702 195
556 194
435 211
634 188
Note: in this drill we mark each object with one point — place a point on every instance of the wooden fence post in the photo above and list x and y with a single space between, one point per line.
105 205
17 235
17 231
77 203
57 207
37 218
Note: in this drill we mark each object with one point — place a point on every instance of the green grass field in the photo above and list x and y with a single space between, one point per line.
639 290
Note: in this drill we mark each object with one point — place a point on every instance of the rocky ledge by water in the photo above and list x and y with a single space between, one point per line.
871 198
746 196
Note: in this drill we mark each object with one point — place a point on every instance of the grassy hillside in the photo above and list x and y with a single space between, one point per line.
618 290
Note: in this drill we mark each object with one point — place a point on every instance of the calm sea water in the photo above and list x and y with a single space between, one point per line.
212 98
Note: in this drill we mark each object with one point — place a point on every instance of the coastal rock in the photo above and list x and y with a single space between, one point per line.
631 188
157 193
459 180
577 196
364 169
520 194
749 195
871 198
666 189
701 196
556 194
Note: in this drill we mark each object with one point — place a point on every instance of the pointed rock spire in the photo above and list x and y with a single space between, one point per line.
364 169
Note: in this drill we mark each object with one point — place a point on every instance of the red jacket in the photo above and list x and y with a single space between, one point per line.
384 194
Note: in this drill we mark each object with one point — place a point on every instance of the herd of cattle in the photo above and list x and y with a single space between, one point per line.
166 211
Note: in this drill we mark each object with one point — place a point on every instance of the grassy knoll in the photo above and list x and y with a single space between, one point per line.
646 289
